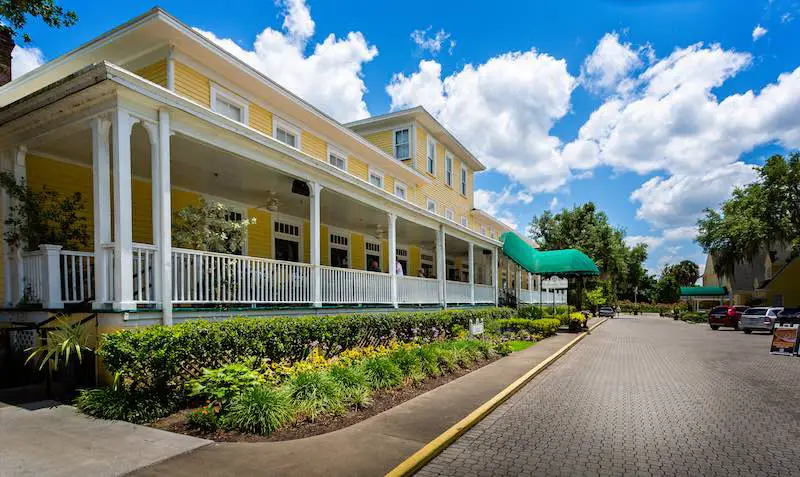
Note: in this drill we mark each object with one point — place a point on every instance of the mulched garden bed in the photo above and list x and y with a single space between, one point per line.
382 401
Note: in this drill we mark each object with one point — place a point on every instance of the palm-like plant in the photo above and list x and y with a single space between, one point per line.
63 342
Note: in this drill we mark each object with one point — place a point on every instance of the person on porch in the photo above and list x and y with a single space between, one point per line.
373 266
398 269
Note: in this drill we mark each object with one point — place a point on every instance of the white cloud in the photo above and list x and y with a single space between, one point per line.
433 44
787 18
669 235
502 109
24 60
281 55
652 241
758 32
495 203
553 204
609 64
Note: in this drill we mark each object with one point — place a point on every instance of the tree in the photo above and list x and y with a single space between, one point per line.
756 217
686 272
15 15
211 227
667 289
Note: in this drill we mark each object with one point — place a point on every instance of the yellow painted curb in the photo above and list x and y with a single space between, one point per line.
443 440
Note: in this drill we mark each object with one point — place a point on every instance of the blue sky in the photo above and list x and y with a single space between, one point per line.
640 106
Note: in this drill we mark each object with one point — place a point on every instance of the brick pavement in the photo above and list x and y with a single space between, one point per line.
644 396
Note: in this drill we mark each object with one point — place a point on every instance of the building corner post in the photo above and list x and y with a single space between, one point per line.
123 213
164 215
315 190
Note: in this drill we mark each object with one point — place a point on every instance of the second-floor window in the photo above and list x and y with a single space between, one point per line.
227 105
463 180
286 134
448 170
431 206
464 221
337 159
376 178
483 230
400 190
402 143
431 165
449 215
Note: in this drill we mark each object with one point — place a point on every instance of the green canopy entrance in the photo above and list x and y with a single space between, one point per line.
703 291
562 263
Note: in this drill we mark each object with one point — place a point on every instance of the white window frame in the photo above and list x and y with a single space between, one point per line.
463 181
217 92
376 242
483 230
335 151
450 214
287 219
377 172
430 162
331 245
278 123
395 144
428 205
448 173
492 233
463 221
403 187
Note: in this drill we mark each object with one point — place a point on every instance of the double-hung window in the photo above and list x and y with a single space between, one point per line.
228 105
448 170
464 221
463 180
402 143
431 164
337 159
376 178
400 190
483 230
286 133
449 215
431 206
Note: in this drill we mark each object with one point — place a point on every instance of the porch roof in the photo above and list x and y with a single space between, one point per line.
568 262
703 291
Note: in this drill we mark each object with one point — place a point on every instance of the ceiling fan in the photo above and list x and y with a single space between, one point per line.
272 202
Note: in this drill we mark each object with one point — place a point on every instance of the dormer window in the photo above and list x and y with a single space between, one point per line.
402 143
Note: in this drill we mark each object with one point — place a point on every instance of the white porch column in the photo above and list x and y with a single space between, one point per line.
393 257
171 68
123 225
101 168
51 269
20 154
495 275
316 190
471 258
5 164
441 266
518 283
163 216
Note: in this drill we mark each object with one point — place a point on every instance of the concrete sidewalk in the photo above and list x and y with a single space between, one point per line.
46 439
371 447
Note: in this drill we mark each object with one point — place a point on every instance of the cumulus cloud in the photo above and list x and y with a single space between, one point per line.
553 204
502 109
758 32
609 64
433 44
282 55
675 234
24 60
496 203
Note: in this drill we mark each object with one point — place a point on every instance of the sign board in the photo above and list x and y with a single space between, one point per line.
784 340
476 327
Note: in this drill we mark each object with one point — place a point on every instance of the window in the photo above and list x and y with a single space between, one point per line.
401 257
448 170
483 230
463 180
400 190
464 221
431 166
337 159
431 206
449 214
402 141
340 250
286 133
286 241
376 178
228 104
492 234
373 253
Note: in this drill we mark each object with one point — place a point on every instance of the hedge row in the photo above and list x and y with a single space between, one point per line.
154 357
544 326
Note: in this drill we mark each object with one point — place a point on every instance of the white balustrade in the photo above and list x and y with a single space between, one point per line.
345 285
77 276
417 290
458 292
484 293
144 264
34 280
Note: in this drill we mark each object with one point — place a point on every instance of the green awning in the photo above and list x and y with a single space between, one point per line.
704 291
568 262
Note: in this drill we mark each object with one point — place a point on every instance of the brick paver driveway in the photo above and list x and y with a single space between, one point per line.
645 396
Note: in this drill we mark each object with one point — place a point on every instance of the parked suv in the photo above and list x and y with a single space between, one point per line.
606 311
759 318
726 315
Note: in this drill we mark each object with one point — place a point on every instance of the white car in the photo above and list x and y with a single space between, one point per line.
759 318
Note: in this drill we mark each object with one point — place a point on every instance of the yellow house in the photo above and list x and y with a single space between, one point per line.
152 116
783 289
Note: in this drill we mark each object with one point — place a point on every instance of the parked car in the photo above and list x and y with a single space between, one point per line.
725 315
606 311
759 318
789 316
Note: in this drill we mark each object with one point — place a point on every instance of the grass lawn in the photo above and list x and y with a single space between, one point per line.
520 345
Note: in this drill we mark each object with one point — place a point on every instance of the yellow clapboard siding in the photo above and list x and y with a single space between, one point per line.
142 211
324 245
182 198
306 241
388 184
357 251
260 119
414 261
313 146
259 234
357 168
420 156
156 72
382 139
385 256
192 84
444 195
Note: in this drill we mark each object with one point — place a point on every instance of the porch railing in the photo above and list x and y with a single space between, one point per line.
144 263
34 275
417 291
484 293
77 276
458 292
346 285
547 297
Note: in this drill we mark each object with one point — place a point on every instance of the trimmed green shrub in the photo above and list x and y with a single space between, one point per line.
382 372
151 358
530 312
138 407
259 410
222 384
409 364
429 360
693 317
315 393
544 327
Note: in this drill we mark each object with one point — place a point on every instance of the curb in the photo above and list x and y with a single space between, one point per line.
417 460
